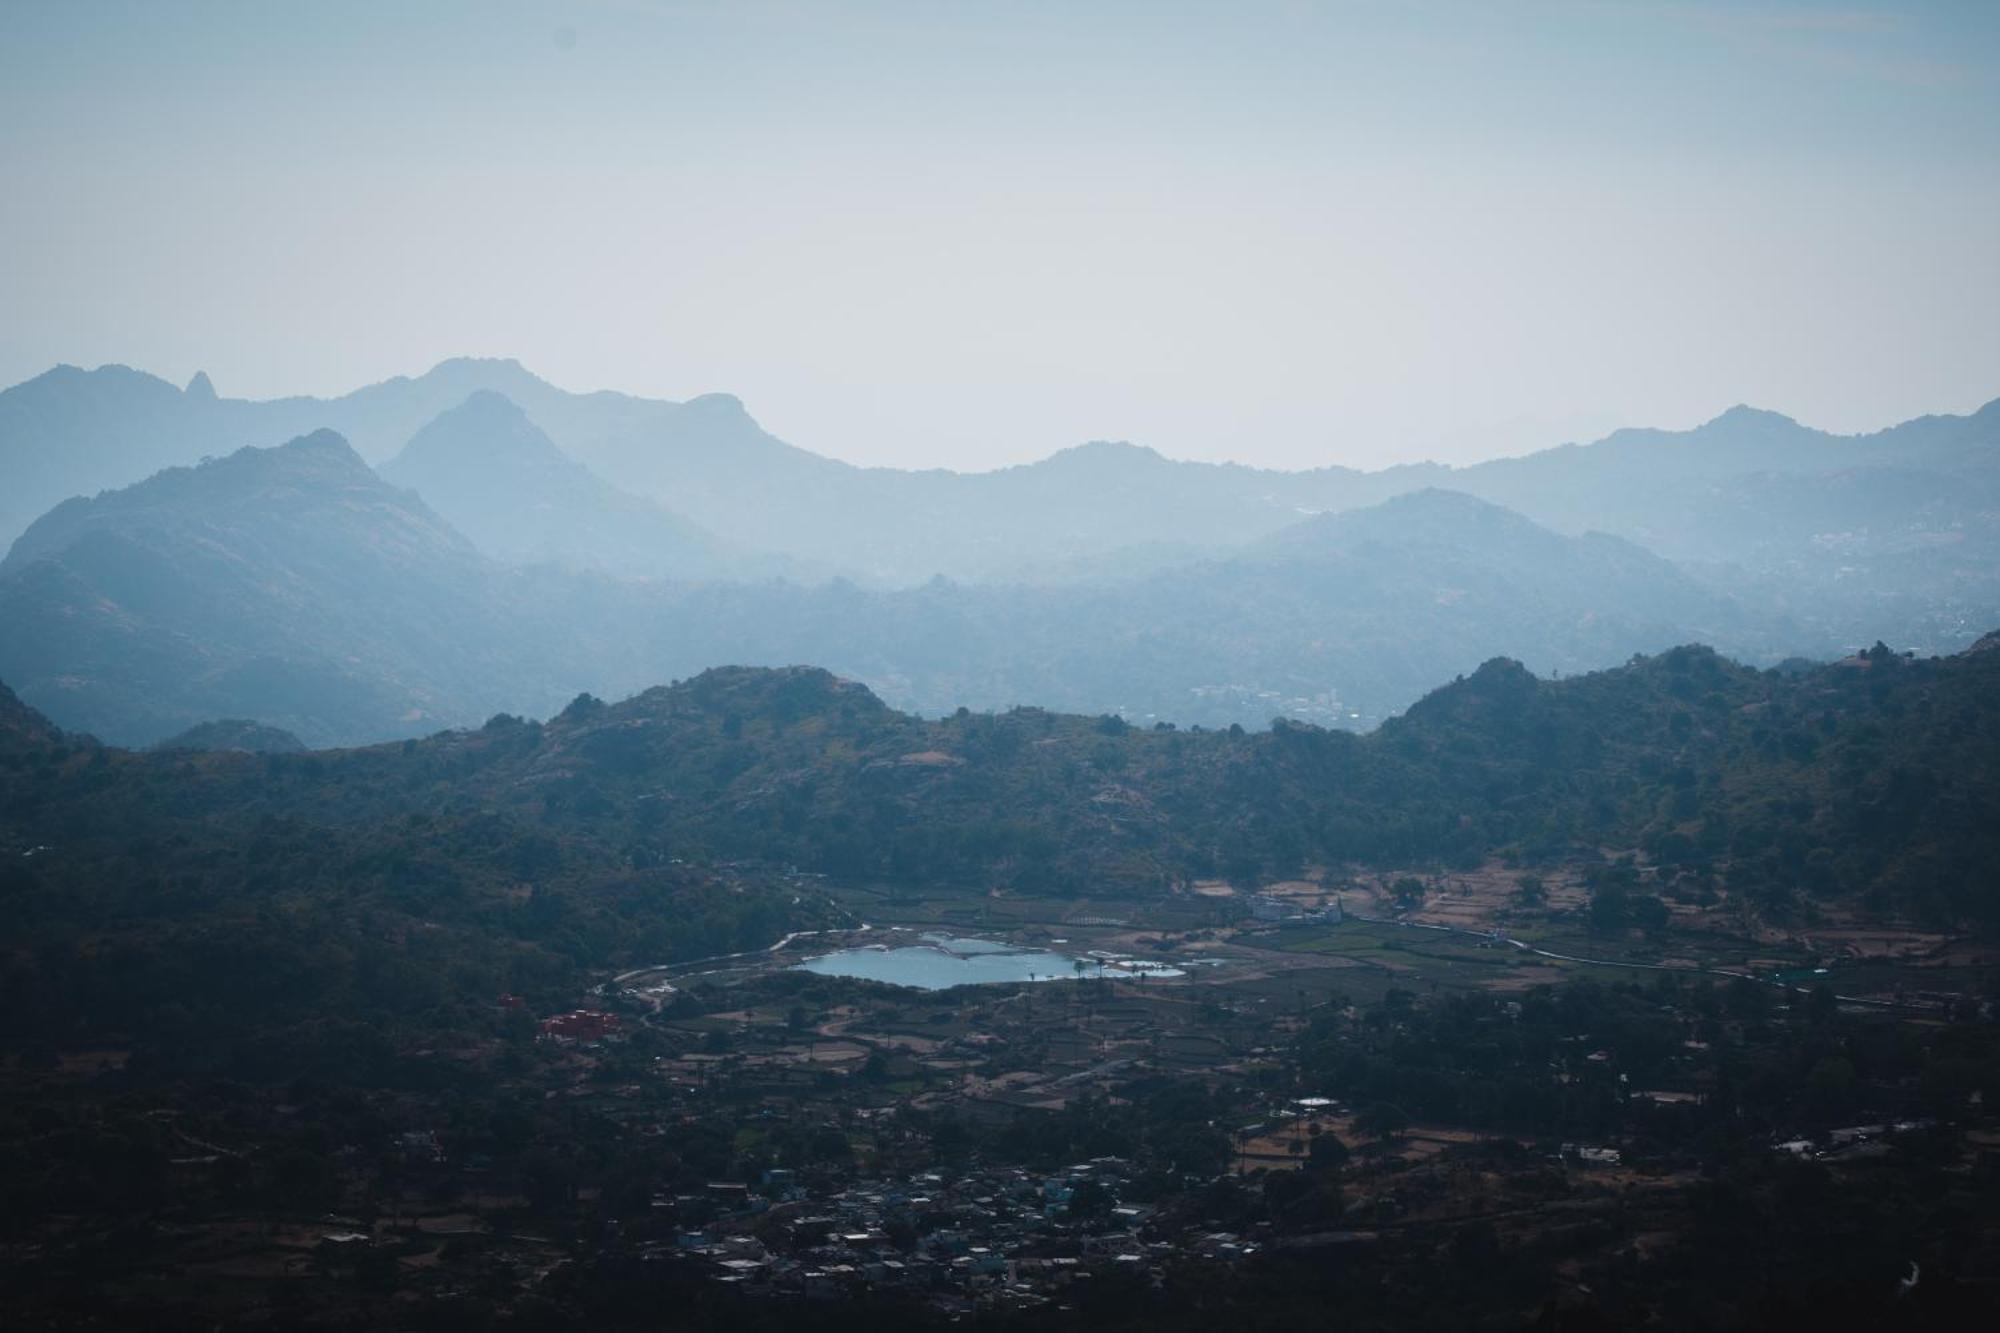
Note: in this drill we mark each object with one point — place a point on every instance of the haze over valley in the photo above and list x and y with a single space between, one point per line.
1038 668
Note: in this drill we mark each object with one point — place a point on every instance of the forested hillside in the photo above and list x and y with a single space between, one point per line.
147 889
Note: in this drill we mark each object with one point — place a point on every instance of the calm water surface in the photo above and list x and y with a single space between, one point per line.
942 961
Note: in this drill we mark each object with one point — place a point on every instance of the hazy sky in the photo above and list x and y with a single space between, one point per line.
967 234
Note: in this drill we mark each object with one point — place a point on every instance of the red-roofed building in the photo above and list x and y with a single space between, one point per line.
580 1025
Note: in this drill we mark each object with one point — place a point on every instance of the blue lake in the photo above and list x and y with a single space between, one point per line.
944 961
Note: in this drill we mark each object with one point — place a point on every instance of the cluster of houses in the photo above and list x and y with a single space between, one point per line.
995 1238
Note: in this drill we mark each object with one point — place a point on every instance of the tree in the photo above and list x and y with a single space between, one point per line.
1649 914
1326 1153
1383 1120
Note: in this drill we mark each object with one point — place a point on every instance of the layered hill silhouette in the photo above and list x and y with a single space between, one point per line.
295 587
73 432
1892 534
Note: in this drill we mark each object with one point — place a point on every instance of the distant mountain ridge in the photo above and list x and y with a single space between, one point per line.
1746 495
73 432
